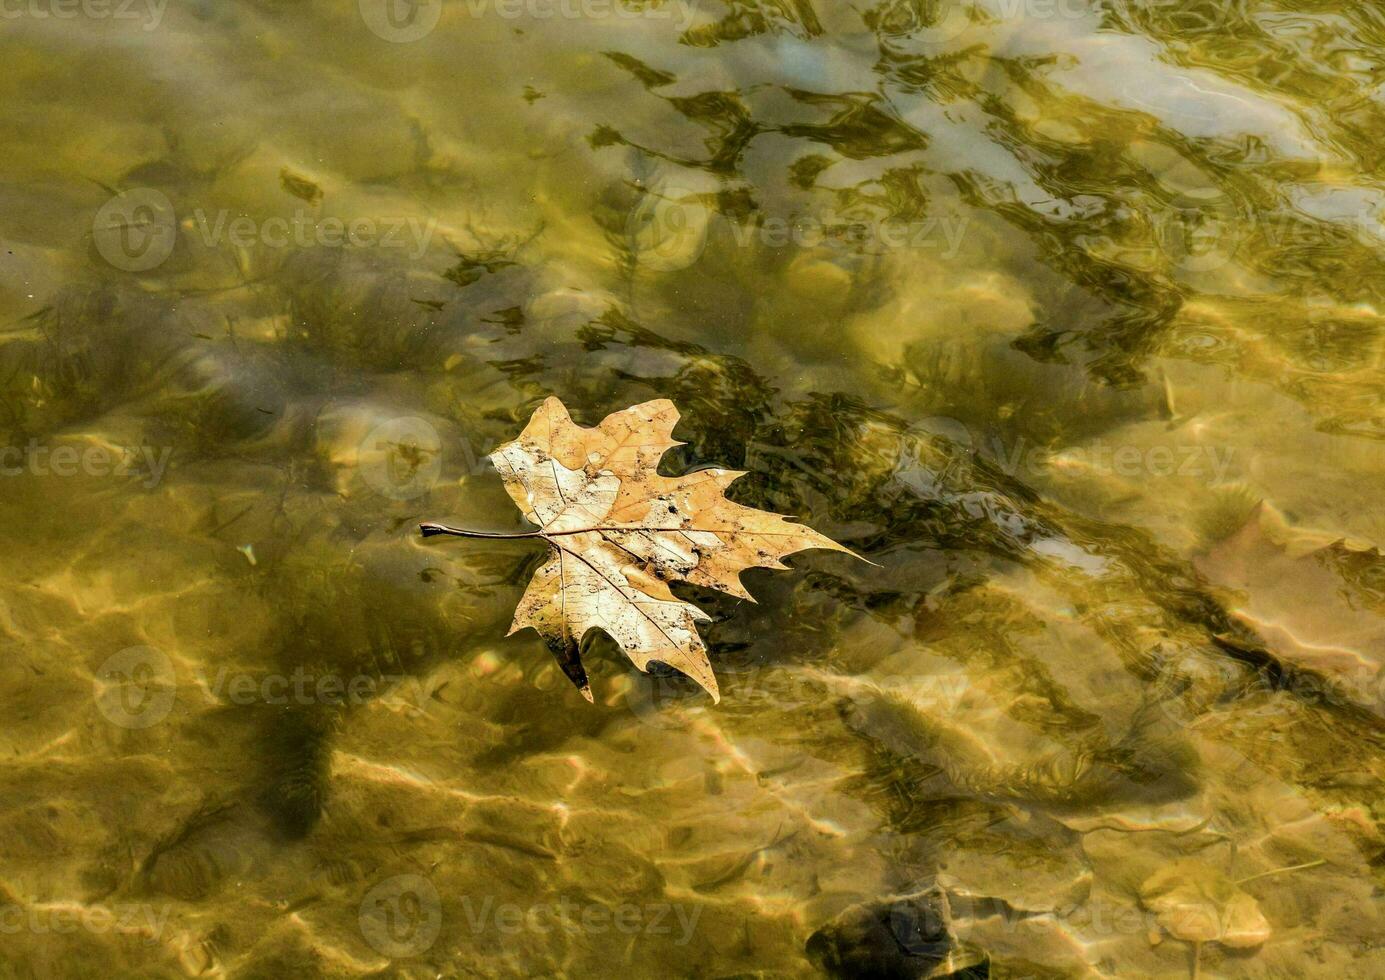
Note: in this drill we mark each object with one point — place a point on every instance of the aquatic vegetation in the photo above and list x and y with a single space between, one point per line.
1225 512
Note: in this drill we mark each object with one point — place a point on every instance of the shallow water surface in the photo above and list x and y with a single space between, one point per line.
1064 314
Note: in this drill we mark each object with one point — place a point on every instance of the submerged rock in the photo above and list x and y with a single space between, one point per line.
902 939
1197 903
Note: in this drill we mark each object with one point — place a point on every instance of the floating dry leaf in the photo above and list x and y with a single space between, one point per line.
619 533
1199 904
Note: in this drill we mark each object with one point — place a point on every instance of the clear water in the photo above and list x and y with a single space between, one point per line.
1067 315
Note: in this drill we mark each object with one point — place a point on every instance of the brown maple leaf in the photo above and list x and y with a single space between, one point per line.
619 533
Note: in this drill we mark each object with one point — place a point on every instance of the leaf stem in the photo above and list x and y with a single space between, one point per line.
1280 871
429 530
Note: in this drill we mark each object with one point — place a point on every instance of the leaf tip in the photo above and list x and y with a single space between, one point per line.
863 558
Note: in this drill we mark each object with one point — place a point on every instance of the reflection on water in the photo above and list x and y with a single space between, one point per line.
1066 314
